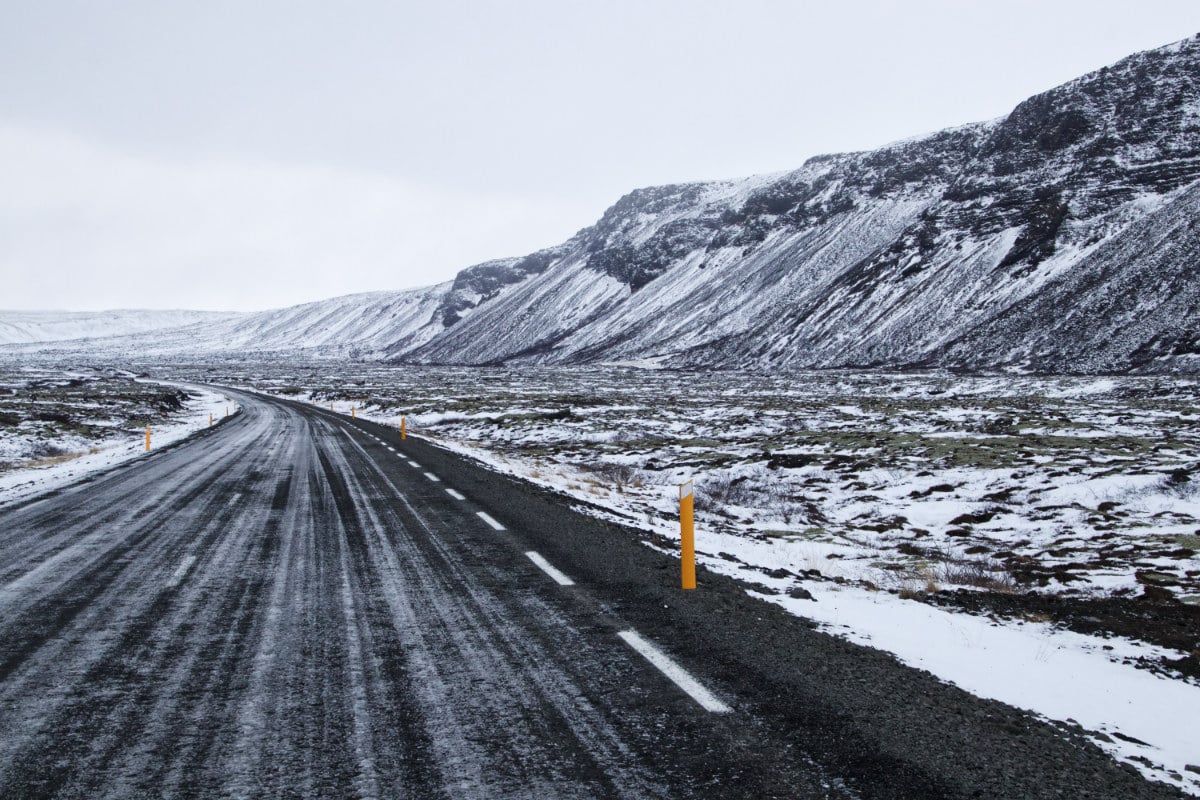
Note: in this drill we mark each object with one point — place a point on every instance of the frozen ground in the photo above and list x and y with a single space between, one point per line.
1029 539
1076 486
57 425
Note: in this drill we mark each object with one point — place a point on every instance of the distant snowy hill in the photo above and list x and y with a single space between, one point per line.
20 327
354 326
1062 237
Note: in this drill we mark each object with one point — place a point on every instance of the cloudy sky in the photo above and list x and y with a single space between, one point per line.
245 155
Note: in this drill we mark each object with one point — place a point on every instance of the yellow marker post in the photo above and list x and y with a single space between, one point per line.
227 411
210 418
147 438
352 414
403 433
687 535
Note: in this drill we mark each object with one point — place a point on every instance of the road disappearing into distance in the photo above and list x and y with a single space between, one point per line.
298 604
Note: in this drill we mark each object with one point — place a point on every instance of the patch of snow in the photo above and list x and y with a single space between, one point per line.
1059 674
23 482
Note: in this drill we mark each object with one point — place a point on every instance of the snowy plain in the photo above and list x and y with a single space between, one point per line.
1074 487
79 456
841 498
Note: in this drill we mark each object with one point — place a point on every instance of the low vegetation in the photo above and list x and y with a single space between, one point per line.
49 415
907 482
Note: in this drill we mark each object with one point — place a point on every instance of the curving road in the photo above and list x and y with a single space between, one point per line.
295 604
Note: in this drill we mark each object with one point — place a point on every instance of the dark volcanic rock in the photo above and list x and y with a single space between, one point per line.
1060 238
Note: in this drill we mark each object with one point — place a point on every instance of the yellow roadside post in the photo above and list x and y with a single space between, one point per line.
403 433
687 535
352 414
210 418
227 411
147 438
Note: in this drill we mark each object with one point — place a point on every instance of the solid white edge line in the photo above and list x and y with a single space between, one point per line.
433 477
414 464
483 515
455 494
549 569
678 675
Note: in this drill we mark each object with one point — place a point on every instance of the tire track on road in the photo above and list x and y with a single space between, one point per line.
123 618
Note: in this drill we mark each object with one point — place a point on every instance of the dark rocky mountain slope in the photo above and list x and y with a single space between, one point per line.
1062 237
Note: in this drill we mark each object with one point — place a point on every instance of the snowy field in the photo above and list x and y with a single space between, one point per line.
1029 539
58 425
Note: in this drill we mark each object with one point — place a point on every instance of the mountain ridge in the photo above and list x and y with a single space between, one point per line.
1008 244
23 327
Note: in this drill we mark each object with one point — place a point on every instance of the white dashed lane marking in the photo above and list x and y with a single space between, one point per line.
546 567
433 477
488 519
414 465
455 494
678 675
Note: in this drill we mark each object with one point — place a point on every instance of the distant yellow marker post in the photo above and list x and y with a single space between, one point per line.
352 414
403 432
687 535
210 419
147 438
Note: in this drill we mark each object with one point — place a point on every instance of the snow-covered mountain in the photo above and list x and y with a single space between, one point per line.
354 326
55 326
1062 237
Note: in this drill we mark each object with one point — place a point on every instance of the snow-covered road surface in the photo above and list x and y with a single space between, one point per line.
284 607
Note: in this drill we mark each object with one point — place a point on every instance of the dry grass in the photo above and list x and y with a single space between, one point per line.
980 573
716 491
620 476
50 461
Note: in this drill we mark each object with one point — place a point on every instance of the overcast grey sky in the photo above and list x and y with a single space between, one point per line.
245 155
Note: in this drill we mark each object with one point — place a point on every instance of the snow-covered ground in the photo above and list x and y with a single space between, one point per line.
1097 682
850 499
21 327
101 438
868 492
1059 674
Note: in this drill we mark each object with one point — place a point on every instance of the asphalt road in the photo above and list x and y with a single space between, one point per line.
296 604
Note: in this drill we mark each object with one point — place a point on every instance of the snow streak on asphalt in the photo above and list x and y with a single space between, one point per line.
271 611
